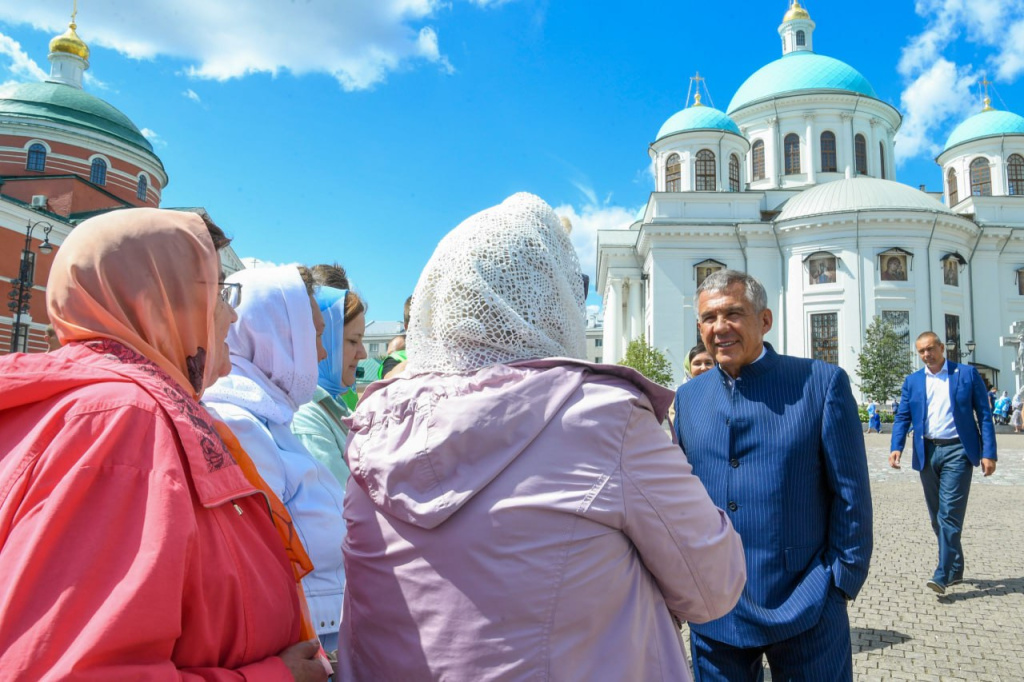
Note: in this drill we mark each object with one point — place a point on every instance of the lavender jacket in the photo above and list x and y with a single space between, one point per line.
527 521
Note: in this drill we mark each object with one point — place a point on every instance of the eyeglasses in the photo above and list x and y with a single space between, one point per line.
231 293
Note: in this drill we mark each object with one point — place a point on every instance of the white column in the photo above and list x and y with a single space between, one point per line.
874 163
809 156
635 319
772 154
613 322
849 149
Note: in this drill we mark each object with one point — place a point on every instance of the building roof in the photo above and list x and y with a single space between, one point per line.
844 196
796 71
991 123
71 106
698 117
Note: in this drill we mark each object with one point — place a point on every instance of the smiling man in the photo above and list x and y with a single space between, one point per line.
777 442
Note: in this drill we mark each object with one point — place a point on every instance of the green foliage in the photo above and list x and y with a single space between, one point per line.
649 361
883 363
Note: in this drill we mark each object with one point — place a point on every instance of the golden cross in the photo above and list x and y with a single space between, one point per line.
74 10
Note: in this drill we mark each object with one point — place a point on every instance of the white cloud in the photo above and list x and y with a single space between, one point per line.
153 137
192 95
358 42
21 64
938 90
586 221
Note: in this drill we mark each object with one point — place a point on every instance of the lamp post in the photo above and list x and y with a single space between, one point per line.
21 293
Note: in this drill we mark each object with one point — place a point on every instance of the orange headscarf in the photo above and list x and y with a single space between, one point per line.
145 277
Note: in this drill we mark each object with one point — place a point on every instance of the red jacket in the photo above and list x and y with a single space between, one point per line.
124 555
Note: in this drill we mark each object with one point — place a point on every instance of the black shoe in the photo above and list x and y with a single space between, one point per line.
936 586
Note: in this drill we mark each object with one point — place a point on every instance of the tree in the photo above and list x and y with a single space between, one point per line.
648 360
884 361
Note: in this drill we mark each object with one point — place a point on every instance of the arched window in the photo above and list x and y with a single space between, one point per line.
757 160
801 39
792 146
672 174
734 173
981 178
36 158
143 186
881 160
828 152
706 171
860 154
1015 175
98 174
952 189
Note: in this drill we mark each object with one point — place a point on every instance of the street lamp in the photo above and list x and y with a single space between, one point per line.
970 349
21 293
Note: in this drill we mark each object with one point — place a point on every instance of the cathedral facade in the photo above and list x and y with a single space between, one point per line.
795 184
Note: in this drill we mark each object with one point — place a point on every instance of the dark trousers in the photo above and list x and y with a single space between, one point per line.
821 654
946 478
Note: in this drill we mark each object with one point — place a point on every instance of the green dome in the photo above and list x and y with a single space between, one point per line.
65 104
798 71
991 123
698 117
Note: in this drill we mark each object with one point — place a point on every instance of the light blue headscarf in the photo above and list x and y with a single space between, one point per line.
331 302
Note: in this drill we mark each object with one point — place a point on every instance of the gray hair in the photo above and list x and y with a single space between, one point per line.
723 279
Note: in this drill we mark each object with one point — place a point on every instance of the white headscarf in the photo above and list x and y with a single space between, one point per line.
504 285
273 346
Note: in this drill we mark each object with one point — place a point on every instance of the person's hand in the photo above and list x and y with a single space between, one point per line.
988 466
894 458
303 663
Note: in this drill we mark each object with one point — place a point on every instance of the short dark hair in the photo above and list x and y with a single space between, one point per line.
328 275
931 334
721 280
696 350
408 311
307 279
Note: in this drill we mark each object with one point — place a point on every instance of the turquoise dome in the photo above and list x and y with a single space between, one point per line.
990 123
70 106
798 71
698 117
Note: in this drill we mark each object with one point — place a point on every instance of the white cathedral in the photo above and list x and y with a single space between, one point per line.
795 184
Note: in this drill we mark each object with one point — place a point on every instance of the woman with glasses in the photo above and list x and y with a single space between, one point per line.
514 512
136 539
276 346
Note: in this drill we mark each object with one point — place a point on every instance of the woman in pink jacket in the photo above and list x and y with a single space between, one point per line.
516 513
135 544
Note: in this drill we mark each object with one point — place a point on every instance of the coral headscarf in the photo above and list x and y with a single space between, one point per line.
145 277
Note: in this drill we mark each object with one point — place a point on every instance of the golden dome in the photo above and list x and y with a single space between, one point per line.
70 43
796 12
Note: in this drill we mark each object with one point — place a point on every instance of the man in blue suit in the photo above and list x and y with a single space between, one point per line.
777 442
953 432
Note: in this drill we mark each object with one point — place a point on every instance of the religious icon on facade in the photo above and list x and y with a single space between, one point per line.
822 269
951 272
894 268
706 268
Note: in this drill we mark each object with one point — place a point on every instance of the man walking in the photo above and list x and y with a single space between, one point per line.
777 442
948 406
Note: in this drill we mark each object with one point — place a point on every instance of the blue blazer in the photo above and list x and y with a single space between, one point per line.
784 455
969 400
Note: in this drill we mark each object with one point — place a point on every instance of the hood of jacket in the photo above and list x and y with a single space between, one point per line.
423 446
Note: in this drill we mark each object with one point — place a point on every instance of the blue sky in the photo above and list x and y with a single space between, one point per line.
361 131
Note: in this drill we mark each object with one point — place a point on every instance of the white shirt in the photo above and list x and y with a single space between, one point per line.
940 411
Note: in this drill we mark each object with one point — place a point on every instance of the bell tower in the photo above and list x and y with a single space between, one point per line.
796 30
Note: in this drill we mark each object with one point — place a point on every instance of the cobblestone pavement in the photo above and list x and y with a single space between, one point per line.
901 630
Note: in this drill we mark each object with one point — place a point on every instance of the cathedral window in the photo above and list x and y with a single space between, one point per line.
36 158
801 39
757 160
1015 175
828 152
672 174
792 146
825 337
142 188
98 173
881 160
952 189
981 178
860 153
734 173
705 171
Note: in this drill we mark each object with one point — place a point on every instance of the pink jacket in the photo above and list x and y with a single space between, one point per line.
121 556
528 521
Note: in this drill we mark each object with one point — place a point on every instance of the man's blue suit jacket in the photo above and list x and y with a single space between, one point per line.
969 400
784 455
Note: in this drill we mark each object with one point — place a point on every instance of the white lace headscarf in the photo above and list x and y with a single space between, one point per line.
273 346
504 285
